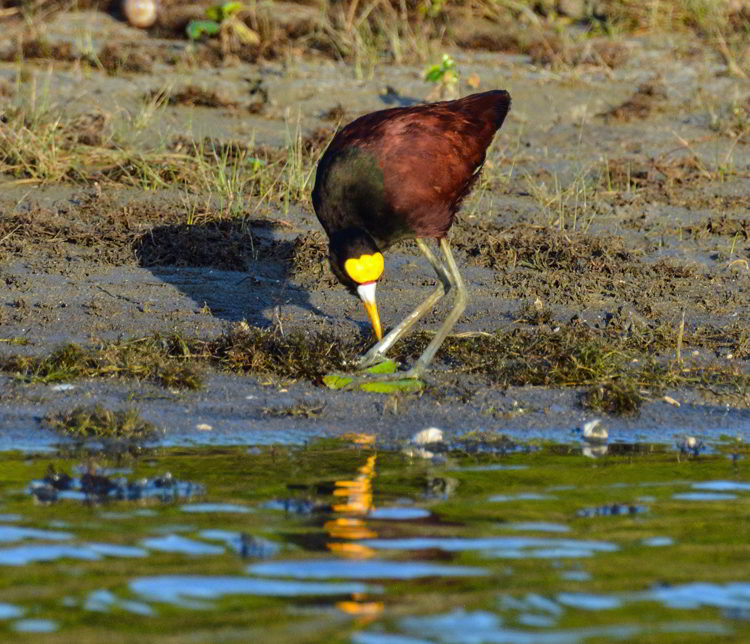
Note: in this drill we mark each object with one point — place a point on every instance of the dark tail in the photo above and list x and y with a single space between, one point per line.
490 107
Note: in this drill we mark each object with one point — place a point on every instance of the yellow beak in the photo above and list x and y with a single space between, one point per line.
372 311
367 294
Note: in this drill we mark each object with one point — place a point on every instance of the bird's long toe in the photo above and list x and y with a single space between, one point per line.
417 372
370 359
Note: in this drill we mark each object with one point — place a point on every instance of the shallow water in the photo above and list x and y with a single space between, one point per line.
342 541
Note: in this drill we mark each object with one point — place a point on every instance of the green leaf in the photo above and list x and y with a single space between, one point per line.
214 13
196 29
340 381
392 386
230 8
448 62
445 72
220 12
434 73
387 366
336 381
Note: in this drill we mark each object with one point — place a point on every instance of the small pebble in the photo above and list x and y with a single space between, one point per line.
429 435
419 452
594 431
140 13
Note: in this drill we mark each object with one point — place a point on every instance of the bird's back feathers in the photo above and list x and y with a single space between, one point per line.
403 172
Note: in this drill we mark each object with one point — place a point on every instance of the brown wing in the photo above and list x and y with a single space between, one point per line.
428 167
429 156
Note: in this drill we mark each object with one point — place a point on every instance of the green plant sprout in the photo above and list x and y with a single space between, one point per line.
223 20
446 76
431 8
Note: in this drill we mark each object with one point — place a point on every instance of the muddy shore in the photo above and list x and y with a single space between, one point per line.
613 203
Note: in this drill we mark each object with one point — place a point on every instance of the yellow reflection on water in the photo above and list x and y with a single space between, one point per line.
351 526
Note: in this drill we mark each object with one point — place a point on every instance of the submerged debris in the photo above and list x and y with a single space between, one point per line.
92 486
690 445
614 509
304 507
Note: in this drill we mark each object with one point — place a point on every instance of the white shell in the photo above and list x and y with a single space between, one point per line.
594 431
427 436
140 13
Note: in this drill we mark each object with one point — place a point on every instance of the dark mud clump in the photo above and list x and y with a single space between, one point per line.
178 362
647 98
195 96
295 356
102 235
226 245
336 114
39 49
301 410
544 46
625 174
102 423
318 140
91 129
721 226
675 179
190 95
308 260
118 58
545 248
619 398
619 367
230 244
154 359
552 50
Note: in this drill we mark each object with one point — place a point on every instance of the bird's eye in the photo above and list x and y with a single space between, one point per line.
366 268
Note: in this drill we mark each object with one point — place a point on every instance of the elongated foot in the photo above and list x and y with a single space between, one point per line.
416 372
370 359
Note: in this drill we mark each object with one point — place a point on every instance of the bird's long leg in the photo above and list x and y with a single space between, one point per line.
445 281
458 308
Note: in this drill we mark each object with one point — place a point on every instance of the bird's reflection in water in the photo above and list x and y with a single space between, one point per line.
349 526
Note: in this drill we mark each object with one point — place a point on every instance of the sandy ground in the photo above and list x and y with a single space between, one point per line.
661 135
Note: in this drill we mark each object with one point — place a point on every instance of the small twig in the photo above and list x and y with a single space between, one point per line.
742 262
350 15
680 335
277 318
732 66
115 296
2 239
521 8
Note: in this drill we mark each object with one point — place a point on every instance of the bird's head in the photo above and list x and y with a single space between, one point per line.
358 265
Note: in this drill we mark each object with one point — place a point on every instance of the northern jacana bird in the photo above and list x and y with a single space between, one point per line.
397 174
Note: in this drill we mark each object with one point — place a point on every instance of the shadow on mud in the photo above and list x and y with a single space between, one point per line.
238 269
